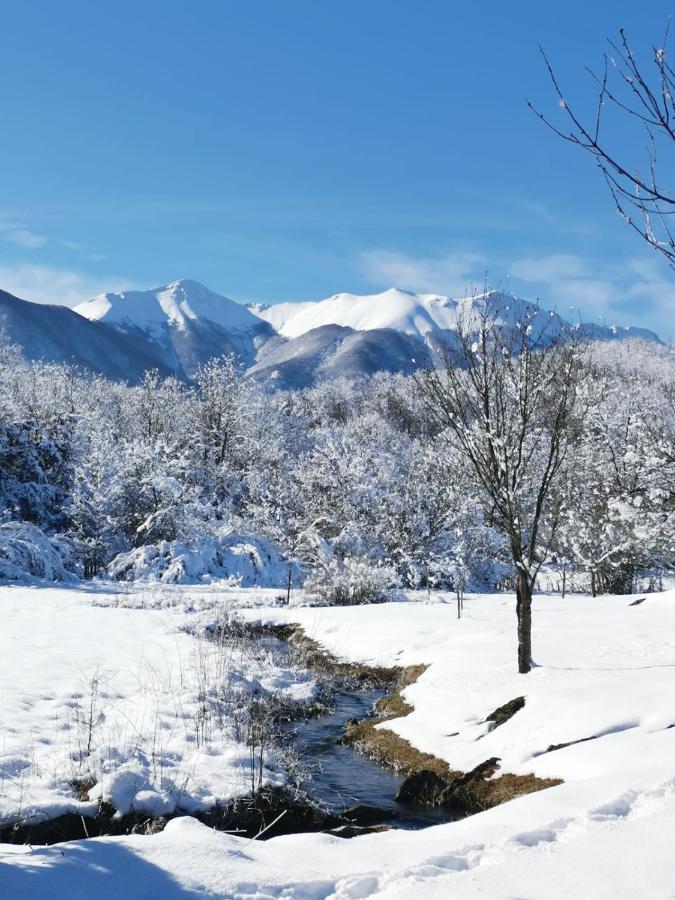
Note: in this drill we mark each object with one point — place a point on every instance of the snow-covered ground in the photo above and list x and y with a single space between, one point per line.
105 689
605 676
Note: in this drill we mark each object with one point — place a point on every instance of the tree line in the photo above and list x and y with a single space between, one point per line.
526 454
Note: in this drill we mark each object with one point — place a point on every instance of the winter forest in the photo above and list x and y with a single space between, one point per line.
353 489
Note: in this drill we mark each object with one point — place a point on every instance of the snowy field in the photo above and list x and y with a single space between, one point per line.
605 678
107 691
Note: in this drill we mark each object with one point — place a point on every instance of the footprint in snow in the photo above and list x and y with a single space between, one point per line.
617 809
534 838
356 888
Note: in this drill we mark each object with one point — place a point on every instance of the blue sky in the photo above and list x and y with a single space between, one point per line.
291 150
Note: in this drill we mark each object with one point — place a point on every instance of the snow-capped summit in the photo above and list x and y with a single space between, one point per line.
409 313
174 304
416 315
56 334
422 316
184 323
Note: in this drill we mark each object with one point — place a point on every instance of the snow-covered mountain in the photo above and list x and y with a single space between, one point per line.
57 334
184 322
178 327
334 351
395 331
178 305
418 315
414 314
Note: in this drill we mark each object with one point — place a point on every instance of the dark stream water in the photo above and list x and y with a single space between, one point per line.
341 777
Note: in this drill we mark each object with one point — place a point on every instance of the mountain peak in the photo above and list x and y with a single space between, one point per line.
187 284
404 311
172 305
177 327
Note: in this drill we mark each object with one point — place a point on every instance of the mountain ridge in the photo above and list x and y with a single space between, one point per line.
178 302
53 333
177 327
407 312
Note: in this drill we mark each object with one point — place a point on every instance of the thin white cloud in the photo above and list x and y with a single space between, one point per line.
638 290
589 295
80 248
553 267
450 274
16 233
655 286
47 284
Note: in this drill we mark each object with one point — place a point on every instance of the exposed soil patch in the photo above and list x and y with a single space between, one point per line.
553 747
504 713
249 816
245 816
393 706
425 787
74 827
479 790
392 751
312 656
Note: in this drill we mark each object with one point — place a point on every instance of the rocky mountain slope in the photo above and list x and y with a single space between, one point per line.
57 334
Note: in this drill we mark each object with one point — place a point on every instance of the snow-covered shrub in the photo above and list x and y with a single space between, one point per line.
27 552
246 560
353 580
34 470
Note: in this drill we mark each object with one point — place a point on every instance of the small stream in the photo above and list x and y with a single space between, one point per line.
341 777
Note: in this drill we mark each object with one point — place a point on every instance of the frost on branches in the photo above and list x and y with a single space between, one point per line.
358 487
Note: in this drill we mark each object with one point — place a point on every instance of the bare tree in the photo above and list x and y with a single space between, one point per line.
506 400
641 93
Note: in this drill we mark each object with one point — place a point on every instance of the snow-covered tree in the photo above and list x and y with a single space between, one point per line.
506 402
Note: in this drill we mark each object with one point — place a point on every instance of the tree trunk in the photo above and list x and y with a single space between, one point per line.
564 578
524 611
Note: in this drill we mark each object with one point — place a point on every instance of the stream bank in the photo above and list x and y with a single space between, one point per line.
355 778
424 781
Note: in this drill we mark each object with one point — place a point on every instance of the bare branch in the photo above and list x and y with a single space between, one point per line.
650 101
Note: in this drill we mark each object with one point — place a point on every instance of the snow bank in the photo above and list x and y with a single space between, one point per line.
26 552
244 560
603 671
